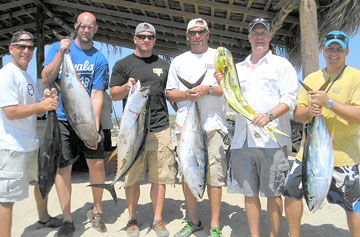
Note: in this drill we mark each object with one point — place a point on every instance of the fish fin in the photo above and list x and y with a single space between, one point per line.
192 85
73 34
113 154
306 87
326 83
108 187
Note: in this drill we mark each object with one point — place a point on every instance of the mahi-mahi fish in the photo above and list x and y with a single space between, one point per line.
232 90
49 154
76 101
192 151
317 161
132 134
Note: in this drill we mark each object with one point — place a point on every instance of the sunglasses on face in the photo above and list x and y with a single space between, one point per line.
22 47
143 37
194 32
334 50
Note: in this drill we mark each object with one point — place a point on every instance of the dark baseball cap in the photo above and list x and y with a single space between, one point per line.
145 27
17 35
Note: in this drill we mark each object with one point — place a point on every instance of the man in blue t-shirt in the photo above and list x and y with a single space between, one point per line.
92 68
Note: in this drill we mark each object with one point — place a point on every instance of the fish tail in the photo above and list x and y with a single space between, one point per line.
108 187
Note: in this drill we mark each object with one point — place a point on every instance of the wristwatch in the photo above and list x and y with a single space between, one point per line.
329 104
271 116
211 90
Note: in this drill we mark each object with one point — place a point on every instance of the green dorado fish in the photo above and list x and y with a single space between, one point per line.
232 90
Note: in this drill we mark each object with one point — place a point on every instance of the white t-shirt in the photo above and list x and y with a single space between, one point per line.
106 122
17 87
273 81
191 67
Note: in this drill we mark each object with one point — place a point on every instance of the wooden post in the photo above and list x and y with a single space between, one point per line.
39 46
1 62
309 37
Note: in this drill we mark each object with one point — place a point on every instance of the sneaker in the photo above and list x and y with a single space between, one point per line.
97 221
132 228
188 229
160 229
66 230
215 232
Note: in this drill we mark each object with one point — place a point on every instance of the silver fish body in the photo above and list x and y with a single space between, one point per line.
317 164
192 152
77 104
132 134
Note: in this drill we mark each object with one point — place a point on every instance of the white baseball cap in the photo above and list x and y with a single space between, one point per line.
197 22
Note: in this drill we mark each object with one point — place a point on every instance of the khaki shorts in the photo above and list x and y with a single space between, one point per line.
158 158
217 165
14 177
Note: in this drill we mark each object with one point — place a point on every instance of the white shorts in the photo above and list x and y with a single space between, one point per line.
14 177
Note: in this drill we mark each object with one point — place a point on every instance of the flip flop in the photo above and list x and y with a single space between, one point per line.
53 222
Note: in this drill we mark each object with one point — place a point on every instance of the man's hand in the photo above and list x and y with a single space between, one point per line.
130 83
260 120
218 76
49 103
64 45
318 98
192 95
202 90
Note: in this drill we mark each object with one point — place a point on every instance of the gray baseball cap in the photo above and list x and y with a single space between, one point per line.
145 27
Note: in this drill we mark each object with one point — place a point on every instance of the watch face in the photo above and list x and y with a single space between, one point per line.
329 104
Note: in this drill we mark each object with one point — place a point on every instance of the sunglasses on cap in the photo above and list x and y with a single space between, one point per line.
257 21
22 47
143 37
340 37
194 32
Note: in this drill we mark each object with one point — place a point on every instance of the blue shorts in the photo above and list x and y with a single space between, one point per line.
344 189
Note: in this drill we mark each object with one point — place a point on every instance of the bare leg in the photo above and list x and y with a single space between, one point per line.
214 194
191 204
41 205
5 218
293 211
132 194
157 194
275 209
63 188
96 176
353 220
253 209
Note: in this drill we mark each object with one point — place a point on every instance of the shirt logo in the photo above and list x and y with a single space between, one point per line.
209 66
30 89
157 71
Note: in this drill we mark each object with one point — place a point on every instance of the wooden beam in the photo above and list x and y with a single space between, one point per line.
27 26
280 17
309 37
7 16
13 4
1 62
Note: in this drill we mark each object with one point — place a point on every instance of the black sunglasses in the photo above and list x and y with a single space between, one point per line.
143 37
194 32
22 47
340 37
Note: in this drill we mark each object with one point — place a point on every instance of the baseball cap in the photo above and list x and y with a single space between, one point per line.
145 27
197 22
262 21
338 37
16 36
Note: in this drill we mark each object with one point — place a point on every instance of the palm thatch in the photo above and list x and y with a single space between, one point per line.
332 15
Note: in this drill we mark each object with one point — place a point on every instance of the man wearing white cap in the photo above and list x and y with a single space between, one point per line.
190 66
158 156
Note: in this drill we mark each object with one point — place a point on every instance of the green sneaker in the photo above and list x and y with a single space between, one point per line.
215 232
188 229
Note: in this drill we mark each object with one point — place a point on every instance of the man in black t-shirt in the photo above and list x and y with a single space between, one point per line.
158 156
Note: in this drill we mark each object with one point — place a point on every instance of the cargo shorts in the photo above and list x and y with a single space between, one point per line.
158 158
14 177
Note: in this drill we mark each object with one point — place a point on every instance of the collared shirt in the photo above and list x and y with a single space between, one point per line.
273 81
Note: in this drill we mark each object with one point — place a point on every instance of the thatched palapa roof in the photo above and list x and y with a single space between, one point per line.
227 19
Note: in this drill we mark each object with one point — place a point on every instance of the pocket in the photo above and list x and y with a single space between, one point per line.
279 177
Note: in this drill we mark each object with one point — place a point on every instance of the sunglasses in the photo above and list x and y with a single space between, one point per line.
143 37
194 32
340 37
334 50
22 47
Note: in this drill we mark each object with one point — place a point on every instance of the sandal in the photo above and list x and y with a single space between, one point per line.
97 221
53 222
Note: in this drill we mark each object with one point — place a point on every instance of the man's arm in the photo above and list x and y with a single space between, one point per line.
51 71
97 97
120 92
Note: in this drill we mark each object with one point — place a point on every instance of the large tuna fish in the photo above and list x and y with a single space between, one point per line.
49 154
317 162
192 150
132 134
232 90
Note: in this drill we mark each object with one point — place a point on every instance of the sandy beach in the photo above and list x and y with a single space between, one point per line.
330 220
